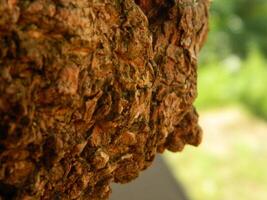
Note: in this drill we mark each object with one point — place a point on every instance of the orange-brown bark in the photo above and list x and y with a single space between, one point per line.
90 91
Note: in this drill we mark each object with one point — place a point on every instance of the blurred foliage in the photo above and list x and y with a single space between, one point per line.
254 84
233 81
234 26
233 64
230 163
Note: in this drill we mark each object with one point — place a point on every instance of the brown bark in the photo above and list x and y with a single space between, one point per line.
91 90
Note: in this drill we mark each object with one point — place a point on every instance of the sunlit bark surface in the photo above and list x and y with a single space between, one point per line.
91 90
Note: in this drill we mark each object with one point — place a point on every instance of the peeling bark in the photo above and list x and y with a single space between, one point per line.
91 90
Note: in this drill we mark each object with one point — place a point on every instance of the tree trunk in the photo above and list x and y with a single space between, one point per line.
91 90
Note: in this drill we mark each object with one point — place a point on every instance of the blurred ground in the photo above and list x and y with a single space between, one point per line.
155 183
231 162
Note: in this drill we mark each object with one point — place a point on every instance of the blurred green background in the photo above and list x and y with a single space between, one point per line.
231 163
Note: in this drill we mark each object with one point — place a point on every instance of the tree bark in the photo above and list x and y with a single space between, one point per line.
91 90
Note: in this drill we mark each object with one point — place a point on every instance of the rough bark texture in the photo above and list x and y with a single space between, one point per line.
91 90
